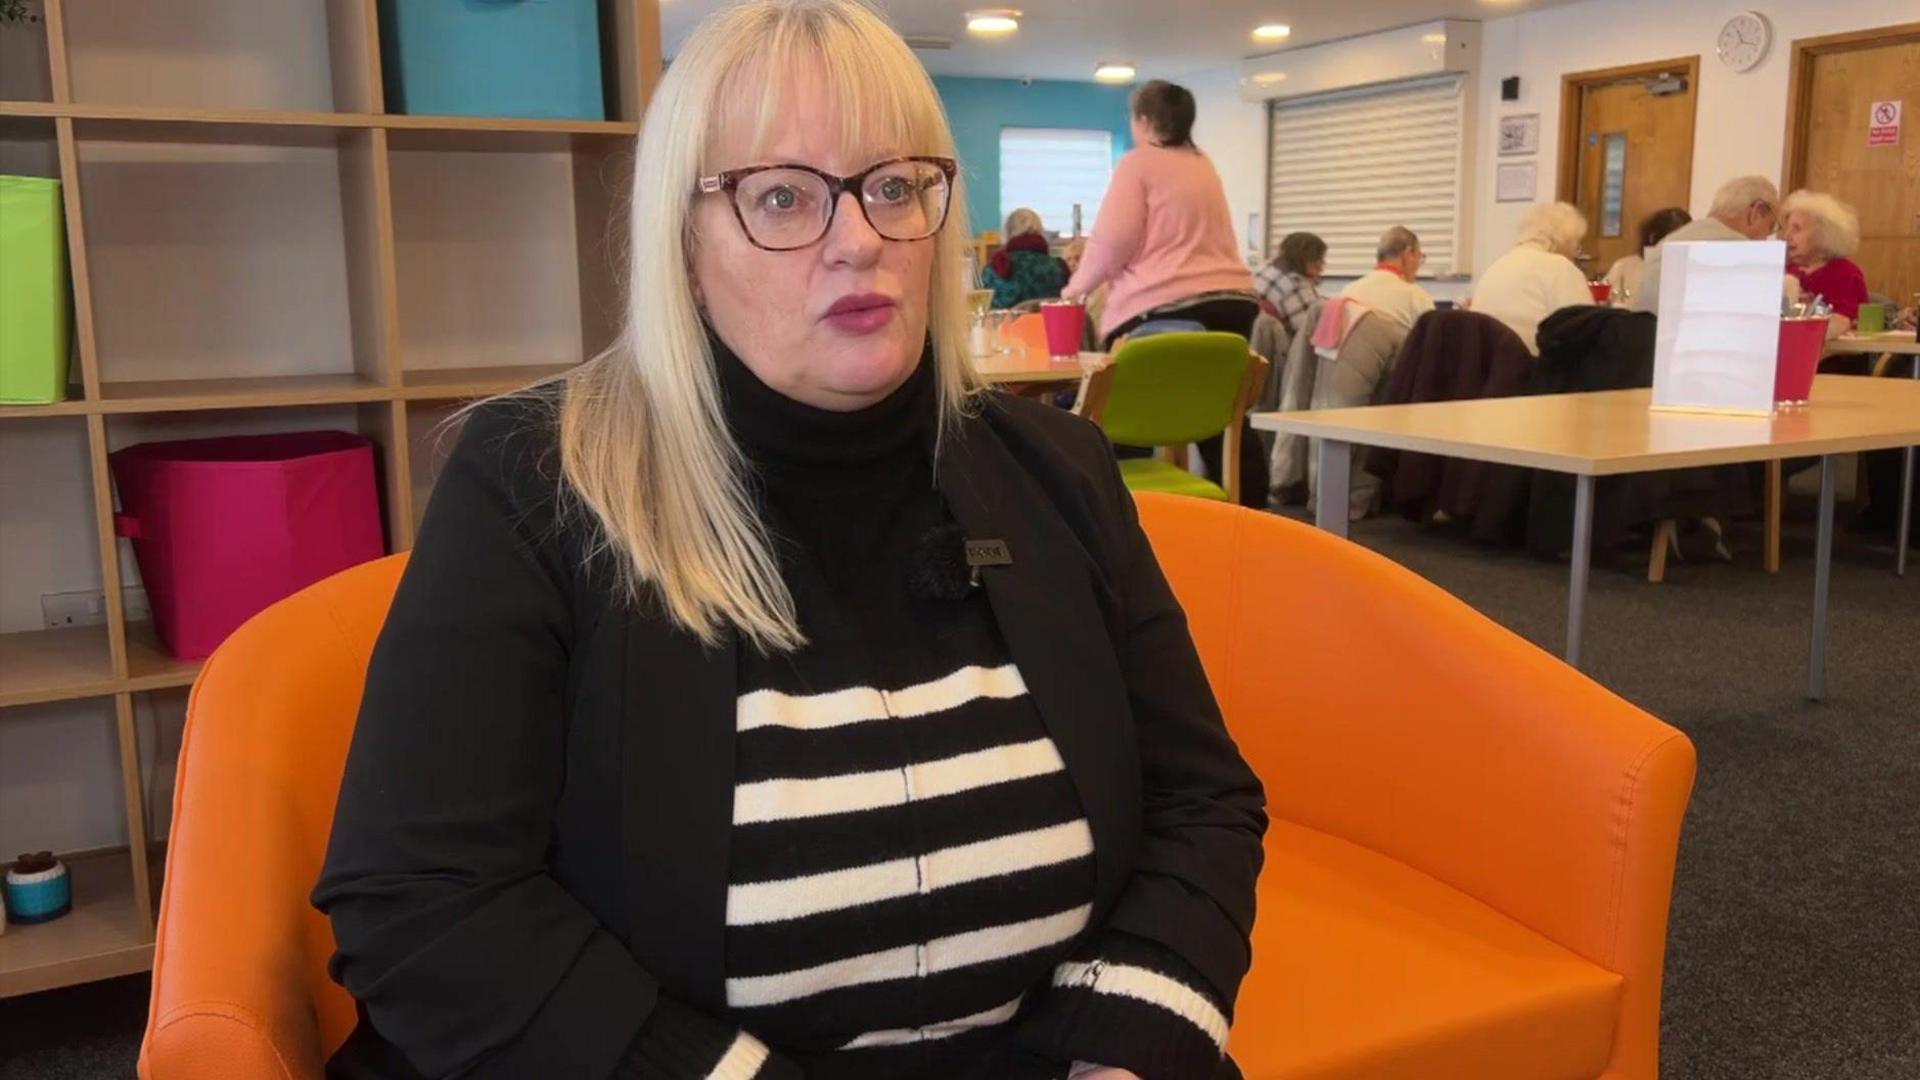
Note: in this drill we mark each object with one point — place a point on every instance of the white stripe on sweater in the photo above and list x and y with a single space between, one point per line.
1143 984
946 1029
907 961
862 704
798 897
789 800
742 1060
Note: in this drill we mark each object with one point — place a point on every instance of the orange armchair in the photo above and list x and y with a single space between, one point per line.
1468 871
240 986
1472 849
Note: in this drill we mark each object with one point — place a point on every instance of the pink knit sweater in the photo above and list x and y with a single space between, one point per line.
1164 233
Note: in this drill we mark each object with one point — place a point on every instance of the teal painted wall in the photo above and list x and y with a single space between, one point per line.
979 108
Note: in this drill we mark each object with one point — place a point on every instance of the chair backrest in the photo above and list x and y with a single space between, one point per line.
1029 329
240 987
1171 389
1165 326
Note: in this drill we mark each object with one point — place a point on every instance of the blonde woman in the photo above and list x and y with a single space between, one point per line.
1822 233
694 746
1537 277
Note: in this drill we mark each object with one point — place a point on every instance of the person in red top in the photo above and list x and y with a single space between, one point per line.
1821 232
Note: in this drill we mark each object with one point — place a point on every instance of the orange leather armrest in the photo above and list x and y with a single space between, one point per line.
1382 710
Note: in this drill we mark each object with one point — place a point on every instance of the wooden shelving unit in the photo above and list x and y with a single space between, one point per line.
256 244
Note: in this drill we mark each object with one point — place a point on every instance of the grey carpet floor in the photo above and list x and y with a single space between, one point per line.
1795 942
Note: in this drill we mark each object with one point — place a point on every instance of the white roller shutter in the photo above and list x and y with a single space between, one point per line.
1048 170
1350 164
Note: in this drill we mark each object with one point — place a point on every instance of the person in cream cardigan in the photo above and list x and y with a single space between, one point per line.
1538 276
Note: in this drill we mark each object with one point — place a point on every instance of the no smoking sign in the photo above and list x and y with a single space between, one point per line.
1883 123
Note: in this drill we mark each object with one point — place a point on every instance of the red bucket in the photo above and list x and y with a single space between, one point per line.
1802 341
1066 322
1602 291
225 527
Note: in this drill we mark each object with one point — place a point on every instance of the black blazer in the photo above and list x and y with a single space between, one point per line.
530 847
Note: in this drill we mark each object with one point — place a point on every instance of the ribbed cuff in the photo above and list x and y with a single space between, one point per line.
1131 1005
680 1043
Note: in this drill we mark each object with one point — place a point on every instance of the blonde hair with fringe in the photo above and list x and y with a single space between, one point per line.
644 444
1836 228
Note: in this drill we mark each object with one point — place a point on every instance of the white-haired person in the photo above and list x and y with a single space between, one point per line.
1024 268
694 747
1822 233
1537 276
1745 208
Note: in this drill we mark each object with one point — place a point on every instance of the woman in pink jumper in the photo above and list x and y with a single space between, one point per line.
1164 245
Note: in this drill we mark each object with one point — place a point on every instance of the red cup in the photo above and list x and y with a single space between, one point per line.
1602 291
1801 343
1066 322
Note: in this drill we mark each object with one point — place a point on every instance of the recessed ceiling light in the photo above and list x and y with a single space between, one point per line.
1114 71
1272 32
1434 39
1268 78
993 22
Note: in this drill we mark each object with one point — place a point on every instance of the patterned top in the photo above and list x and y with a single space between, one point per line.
1288 295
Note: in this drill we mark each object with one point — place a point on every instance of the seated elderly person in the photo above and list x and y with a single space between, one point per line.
1745 208
1389 288
1624 276
1023 269
1538 276
1821 232
1290 284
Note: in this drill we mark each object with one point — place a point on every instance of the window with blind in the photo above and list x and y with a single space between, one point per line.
1350 164
1049 170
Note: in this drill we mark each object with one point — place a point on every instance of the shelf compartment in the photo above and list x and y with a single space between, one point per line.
228 260
150 666
55 665
49 538
105 935
504 248
25 71
292 55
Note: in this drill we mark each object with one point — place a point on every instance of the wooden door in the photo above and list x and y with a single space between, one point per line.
1632 152
1881 183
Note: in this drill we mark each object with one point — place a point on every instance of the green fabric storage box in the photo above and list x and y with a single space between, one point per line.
34 306
523 58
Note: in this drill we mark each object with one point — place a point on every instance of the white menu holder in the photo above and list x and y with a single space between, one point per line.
1718 339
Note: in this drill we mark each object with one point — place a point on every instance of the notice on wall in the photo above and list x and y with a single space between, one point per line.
1883 123
1718 339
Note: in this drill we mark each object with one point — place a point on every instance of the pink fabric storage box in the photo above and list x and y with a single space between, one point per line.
225 527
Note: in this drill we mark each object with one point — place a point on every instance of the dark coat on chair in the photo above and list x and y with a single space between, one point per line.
1456 356
1601 348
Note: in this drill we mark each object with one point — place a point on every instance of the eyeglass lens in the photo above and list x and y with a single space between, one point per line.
790 208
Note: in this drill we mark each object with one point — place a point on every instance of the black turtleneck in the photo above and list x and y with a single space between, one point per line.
889 685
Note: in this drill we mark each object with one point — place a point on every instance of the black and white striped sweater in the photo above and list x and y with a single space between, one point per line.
911 873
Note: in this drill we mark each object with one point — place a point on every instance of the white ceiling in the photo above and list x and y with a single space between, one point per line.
1064 39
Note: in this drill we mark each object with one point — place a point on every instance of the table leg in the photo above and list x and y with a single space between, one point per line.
1822 582
1582 560
1335 480
1903 534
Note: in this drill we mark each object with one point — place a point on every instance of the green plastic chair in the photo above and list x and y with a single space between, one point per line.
1169 390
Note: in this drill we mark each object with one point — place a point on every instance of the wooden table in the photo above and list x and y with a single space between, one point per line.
1899 343
1031 370
1613 433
